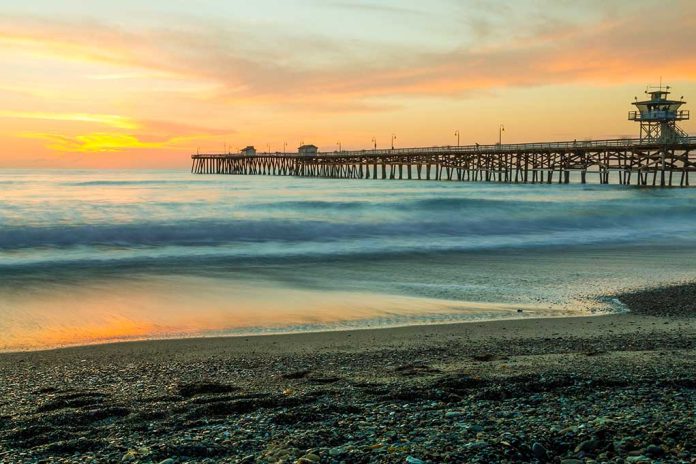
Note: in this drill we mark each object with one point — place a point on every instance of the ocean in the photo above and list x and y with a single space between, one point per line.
98 256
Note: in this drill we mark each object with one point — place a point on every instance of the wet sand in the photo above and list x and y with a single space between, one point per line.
611 388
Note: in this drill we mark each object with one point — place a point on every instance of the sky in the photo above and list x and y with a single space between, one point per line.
133 84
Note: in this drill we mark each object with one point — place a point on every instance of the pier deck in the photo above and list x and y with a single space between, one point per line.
625 161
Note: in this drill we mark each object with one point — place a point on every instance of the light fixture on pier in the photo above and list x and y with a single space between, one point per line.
374 142
456 134
392 139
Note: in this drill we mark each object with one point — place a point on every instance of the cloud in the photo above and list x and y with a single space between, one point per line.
98 142
106 142
152 134
289 68
110 120
369 8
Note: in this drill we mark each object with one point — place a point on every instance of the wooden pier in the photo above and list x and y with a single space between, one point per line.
623 161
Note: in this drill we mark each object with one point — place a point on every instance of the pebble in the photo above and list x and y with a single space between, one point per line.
336 451
476 444
412 460
654 450
539 452
638 459
587 446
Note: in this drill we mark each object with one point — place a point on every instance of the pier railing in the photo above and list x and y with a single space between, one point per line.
625 143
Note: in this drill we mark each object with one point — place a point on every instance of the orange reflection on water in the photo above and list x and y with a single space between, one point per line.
164 307
66 335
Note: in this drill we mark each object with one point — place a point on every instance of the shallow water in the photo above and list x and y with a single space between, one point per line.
90 256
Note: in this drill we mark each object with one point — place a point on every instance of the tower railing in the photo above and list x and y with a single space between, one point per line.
681 115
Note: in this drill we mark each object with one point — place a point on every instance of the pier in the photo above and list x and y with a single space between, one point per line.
623 161
664 155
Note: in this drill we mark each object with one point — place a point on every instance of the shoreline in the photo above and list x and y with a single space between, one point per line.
569 390
614 307
222 337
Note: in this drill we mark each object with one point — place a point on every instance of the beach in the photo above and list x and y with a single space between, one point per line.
604 388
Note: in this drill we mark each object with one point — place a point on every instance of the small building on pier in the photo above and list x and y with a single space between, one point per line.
248 151
308 150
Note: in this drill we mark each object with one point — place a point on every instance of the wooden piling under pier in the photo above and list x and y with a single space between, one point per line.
624 161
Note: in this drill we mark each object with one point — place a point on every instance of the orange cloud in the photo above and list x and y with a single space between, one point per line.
92 143
605 51
152 134
118 122
103 142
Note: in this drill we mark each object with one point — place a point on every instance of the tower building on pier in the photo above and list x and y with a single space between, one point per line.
658 116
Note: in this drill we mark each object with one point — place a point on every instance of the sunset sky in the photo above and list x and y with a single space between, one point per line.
129 83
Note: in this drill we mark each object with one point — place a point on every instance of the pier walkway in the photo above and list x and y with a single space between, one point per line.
623 161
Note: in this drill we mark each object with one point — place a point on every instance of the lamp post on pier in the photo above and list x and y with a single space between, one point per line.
285 147
374 142
338 144
456 134
393 138
501 129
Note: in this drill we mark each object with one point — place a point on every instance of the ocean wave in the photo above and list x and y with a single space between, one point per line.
106 183
298 264
428 205
313 204
208 232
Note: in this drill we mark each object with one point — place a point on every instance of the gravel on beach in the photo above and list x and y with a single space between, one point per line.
610 388
672 301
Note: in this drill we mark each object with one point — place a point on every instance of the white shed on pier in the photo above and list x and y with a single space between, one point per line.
248 151
308 150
